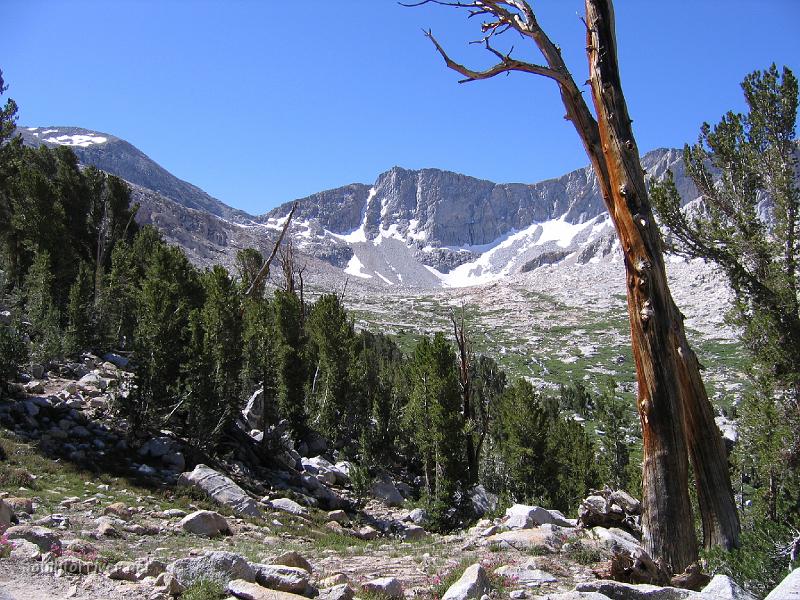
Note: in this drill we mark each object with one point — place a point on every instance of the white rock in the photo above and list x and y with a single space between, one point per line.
521 516
472 585
287 505
205 522
221 489
387 586
723 587
788 589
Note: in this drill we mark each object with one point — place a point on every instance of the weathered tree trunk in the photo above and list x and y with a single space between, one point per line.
677 418
655 319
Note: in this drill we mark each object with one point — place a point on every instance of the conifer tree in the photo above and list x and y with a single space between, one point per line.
291 378
336 408
80 332
41 309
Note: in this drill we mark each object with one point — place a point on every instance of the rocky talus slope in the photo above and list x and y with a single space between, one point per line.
89 513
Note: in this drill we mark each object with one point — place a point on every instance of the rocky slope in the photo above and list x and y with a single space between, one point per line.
74 527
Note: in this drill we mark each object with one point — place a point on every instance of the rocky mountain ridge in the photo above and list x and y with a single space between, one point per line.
420 229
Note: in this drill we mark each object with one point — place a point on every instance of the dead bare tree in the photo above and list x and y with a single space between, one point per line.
676 415
465 384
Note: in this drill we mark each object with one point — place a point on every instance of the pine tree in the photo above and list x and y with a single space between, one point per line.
41 310
748 224
80 333
336 408
437 426
289 338
615 418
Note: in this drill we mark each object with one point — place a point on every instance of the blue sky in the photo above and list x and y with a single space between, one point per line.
262 102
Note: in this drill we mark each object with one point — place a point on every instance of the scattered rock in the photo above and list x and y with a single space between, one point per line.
483 502
283 578
124 570
287 505
6 514
151 568
722 587
293 559
219 566
788 589
17 505
521 516
221 489
46 539
338 592
629 591
245 590
205 522
386 586
384 490
472 585
526 574
25 550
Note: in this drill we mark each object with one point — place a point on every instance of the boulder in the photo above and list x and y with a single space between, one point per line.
525 574
334 580
384 490
205 522
151 567
25 550
472 585
418 516
169 584
46 539
482 501
722 587
219 566
339 516
549 537
521 516
124 570
613 537
284 579
413 532
629 591
389 587
6 514
116 360
366 533
788 589
315 444
338 592
245 590
221 489
17 505
289 506
156 447
253 412
293 559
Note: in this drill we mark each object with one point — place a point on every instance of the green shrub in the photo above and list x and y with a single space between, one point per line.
760 563
204 589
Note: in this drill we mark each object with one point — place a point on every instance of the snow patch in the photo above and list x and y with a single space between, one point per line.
356 268
46 131
384 278
32 128
360 234
77 140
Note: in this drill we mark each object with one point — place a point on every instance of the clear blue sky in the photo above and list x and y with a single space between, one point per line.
261 102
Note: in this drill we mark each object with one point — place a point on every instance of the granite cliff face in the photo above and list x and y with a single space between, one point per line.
412 228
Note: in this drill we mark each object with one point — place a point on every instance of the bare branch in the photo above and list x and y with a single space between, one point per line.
264 271
506 65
